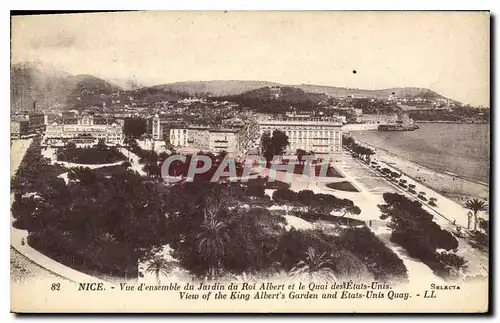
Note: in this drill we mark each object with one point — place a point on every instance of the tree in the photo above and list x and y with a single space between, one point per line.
101 145
475 206
351 209
485 225
306 197
158 266
273 145
211 243
315 266
134 127
284 195
413 228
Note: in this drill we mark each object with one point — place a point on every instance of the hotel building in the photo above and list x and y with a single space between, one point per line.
318 136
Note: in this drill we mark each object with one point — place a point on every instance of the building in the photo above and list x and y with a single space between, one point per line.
318 136
25 124
84 129
224 140
36 122
203 138
377 118
19 129
159 128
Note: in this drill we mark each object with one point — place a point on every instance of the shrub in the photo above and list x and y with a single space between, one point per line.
90 155
381 261
284 195
342 186
413 229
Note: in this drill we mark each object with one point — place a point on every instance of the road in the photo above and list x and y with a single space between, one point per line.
444 215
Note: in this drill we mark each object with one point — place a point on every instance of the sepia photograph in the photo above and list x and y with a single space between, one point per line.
250 162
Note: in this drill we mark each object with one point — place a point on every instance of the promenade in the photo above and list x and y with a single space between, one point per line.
451 185
448 213
135 165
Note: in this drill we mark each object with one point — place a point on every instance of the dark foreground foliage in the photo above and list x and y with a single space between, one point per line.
413 229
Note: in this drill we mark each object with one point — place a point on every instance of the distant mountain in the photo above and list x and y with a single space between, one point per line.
50 87
126 84
229 88
214 88
405 92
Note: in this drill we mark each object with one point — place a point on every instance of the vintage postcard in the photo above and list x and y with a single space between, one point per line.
284 162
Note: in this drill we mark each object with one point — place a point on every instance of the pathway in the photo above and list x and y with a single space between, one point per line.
134 161
376 185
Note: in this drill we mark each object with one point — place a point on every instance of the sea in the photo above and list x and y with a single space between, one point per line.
460 149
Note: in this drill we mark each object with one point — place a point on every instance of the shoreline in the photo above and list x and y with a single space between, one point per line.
454 186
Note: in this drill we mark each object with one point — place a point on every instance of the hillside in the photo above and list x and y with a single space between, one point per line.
405 92
230 88
284 94
214 88
277 99
52 88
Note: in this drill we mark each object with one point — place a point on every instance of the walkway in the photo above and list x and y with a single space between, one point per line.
376 185
134 161
368 199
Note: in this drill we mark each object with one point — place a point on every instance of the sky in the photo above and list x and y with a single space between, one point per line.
447 52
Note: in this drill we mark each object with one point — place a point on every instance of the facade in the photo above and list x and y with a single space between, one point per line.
19 129
204 138
318 136
377 118
36 122
158 128
234 136
25 124
224 140
86 128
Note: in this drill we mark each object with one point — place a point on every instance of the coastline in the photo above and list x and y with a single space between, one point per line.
456 187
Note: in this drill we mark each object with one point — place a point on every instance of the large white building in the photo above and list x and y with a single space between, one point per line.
84 129
318 136
204 138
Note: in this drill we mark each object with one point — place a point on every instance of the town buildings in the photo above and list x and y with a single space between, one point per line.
26 124
233 135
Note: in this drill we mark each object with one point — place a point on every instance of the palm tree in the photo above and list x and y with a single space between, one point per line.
158 266
315 266
211 243
475 206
